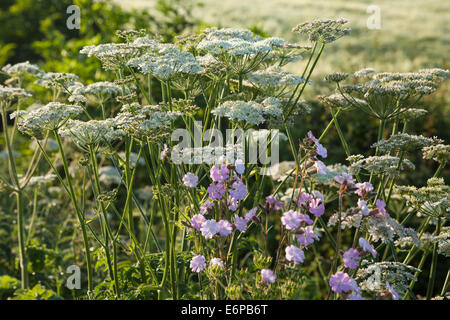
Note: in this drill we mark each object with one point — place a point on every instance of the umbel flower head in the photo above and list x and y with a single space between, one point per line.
22 68
58 80
324 31
9 94
438 152
48 117
405 142
388 95
250 112
431 200
91 133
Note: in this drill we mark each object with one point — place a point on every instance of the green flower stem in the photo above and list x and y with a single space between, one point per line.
446 282
432 276
23 260
108 233
79 214
412 283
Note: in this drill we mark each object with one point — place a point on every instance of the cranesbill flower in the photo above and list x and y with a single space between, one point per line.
355 296
216 262
306 236
197 221
224 228
164 152
363 206
342 283
239 191
320 149
190 180
232 203
268 276
344 178
209 228
381 205
198 263
316 208
239 166
216 191
240 223
363 189
219 173
367 247
291 220
304 199
250 214
351 258
206 207
320 167
392 291
305 218
273 203
295 254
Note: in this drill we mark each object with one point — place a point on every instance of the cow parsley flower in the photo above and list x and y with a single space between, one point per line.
92 132
22 68
248 112
405 142
324 31
49 117
438 152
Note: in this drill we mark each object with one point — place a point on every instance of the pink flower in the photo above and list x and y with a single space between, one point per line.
232 204
164 152
392 291
190 180
197 221
239 191
321 151
381 205
209 228
295 254
306 219
219 173
320 167
216 262
342 283
224 228
240 223
367 247
316 208
306 237
198 263
268 276
291 219
363 206
304 199
273 203
351 258
216 191
363 189
250 214
239 166
344 178
206 207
